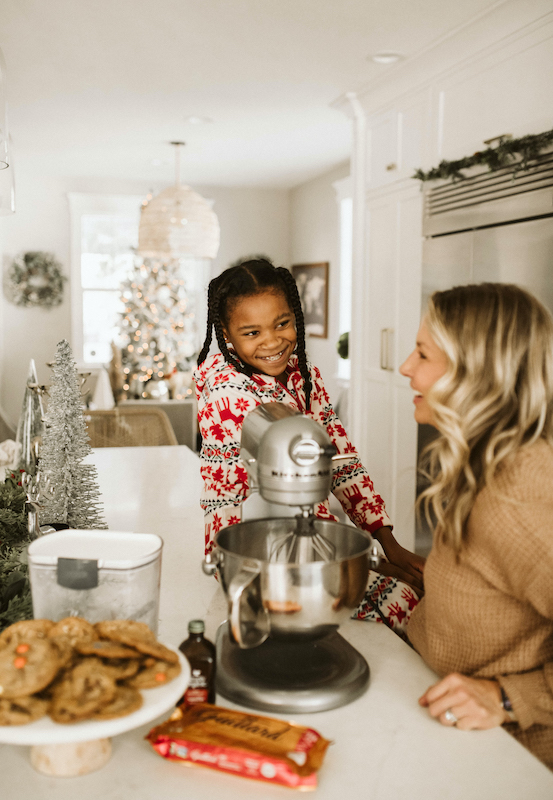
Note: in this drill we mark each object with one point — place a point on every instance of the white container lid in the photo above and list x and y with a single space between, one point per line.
111 549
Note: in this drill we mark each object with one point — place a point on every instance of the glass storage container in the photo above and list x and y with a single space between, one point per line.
97 575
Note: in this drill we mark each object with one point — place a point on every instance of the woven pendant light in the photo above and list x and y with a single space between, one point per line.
178 222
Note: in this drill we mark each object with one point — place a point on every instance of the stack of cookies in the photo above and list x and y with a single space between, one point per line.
73 670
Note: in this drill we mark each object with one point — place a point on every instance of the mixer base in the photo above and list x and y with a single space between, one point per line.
291 676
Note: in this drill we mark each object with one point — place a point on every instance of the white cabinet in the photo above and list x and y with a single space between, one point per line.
397 140
387 311
383 153
414 132
504 91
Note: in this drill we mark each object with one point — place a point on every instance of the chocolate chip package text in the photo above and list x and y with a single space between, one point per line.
262 748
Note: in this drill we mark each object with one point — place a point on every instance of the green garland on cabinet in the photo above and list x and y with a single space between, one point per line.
15 592
515 152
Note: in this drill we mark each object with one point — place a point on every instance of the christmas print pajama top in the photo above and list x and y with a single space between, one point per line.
225 396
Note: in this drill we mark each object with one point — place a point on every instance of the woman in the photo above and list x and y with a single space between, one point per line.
482 372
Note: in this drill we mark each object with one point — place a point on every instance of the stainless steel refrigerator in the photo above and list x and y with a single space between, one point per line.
491 226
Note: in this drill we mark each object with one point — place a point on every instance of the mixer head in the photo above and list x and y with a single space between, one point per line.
288 456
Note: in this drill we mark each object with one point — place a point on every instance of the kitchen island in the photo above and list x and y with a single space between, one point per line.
384 744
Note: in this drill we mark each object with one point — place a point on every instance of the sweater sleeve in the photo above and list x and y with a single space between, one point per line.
351 483
531 695
531 691
222 407
520 538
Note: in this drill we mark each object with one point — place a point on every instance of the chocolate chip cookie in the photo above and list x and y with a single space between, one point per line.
154 673
126 701
84 691
137 635
27 667
21 710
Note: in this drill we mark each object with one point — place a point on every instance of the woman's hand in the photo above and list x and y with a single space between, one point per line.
402 564
474 701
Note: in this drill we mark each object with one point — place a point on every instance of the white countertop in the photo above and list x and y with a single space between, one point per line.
385 745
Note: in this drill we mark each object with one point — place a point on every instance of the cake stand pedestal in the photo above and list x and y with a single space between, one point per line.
70 759
71 750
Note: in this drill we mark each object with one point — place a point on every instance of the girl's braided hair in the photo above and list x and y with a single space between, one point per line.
246 279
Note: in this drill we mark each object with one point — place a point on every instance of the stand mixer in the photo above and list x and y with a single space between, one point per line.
289 580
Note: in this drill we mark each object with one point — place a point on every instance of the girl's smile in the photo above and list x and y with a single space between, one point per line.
261 329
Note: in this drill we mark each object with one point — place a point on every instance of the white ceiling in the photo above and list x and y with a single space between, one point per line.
97 88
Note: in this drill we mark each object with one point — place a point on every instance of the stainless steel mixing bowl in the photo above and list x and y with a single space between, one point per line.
289 600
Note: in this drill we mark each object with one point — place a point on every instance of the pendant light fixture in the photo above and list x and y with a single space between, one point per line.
178 223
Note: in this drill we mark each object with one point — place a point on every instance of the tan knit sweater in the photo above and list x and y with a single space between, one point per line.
490 615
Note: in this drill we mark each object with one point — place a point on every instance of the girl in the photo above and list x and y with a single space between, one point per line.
482 373
255 311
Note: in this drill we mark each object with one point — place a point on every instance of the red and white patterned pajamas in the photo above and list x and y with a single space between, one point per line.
225 396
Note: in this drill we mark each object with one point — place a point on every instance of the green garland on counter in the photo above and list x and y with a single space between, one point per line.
515 152
15 591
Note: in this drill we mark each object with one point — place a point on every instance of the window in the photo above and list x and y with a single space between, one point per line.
104 236
345 206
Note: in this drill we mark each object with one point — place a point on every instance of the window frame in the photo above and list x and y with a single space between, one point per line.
344 196
81 204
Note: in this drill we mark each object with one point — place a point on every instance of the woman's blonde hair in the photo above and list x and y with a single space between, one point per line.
495 397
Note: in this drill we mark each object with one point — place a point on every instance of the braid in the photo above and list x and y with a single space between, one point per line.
210 322
294 299
245 279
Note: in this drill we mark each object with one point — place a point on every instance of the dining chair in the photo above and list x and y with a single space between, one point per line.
129 427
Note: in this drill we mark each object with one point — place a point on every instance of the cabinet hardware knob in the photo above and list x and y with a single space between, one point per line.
386 349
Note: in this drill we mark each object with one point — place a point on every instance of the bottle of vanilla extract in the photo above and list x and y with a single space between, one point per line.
200 653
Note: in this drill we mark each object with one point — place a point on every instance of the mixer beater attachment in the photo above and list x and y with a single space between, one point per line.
302 545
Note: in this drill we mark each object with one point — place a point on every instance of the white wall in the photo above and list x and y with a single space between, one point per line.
315 237
2 312
252 221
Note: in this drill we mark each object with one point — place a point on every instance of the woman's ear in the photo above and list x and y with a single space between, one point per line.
225 334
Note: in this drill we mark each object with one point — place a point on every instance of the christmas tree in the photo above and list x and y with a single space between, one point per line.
15 592
158 326
75 499
30 429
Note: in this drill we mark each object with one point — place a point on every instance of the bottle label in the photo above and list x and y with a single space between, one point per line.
198 689
193 696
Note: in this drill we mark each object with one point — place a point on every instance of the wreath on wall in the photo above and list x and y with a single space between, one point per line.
36 279
508 152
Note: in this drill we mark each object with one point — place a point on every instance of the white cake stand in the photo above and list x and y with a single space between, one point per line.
82 747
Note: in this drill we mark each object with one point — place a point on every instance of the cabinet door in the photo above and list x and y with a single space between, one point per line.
414 132
383 154
389 282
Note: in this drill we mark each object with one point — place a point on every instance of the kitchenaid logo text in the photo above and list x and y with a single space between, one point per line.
246 724
289 476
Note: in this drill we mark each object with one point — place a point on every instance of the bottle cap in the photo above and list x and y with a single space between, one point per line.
196 626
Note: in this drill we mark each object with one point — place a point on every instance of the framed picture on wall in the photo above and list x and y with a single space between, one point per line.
312 281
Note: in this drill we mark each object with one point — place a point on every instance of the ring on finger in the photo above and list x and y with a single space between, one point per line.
449 716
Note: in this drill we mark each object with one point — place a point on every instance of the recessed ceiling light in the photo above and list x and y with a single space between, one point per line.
386 57
198 120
